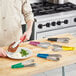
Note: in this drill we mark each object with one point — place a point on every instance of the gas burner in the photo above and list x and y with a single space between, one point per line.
43 8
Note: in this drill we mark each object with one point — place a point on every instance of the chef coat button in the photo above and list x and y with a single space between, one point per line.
3 17
5 30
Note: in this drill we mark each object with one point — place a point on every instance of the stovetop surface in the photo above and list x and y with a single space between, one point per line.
50 8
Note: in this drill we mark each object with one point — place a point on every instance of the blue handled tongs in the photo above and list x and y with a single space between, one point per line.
54 57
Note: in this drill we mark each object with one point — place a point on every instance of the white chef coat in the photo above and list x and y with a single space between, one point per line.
10 19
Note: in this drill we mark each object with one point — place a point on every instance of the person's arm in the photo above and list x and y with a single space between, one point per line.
29 18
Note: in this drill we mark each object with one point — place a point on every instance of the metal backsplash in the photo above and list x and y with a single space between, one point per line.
34 1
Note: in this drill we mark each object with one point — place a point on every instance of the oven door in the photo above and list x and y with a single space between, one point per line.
46 34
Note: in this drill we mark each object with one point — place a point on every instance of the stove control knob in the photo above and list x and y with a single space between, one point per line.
47 24
40 26
65 21
59 23
53 23
74 19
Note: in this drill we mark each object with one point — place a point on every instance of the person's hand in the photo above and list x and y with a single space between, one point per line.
10 49
27 35
2 52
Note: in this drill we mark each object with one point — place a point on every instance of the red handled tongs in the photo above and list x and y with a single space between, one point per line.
18 42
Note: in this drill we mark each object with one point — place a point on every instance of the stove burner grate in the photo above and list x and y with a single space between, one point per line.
50 8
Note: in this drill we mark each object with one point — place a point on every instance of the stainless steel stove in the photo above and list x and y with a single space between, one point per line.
52 19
